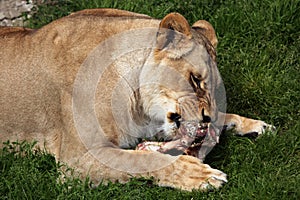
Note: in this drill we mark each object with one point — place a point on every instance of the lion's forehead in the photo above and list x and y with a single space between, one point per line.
196 63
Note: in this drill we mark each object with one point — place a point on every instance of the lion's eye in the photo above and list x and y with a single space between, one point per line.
175 118
196 81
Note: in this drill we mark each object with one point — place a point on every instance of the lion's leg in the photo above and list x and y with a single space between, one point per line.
245 126
184 172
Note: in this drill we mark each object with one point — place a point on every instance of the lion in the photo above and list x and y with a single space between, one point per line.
70 87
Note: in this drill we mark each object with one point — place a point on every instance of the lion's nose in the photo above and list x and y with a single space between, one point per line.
205 118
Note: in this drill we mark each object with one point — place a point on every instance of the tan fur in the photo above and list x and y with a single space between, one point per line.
207 30
37 73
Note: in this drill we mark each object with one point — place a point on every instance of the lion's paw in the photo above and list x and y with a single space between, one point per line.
251 127
189 173
213 178
257 127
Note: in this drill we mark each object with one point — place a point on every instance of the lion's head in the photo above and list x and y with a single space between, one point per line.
185 70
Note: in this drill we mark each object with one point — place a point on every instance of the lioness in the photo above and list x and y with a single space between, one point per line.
55 81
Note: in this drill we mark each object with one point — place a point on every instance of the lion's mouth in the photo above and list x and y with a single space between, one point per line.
190 138
206 138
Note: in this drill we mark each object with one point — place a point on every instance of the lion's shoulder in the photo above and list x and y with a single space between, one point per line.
107 12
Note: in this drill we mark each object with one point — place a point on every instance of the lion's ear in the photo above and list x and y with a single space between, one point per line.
205 28
176 22
174 36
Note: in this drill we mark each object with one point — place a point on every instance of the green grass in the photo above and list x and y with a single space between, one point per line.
258 57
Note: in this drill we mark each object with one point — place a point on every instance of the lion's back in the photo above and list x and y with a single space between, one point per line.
14 31
107 12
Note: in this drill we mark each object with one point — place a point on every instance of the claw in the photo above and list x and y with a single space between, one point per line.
222 177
